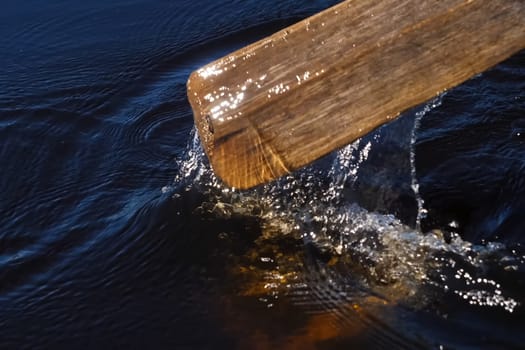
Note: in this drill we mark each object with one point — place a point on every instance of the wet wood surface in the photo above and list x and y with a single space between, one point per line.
287 100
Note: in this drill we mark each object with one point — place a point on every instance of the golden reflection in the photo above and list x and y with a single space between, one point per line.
274 287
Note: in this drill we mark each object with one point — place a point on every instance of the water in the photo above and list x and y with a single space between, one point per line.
116 233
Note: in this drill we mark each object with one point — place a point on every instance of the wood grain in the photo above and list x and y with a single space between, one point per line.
287 100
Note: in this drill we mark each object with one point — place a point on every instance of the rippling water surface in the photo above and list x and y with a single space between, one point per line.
115 233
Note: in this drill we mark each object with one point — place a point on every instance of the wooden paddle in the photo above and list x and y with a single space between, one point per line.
289 99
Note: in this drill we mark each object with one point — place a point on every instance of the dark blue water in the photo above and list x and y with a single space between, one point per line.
115 233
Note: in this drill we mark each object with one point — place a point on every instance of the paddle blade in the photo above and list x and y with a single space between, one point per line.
287 100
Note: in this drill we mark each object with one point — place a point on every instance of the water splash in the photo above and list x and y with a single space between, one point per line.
392 259
421 211
344 167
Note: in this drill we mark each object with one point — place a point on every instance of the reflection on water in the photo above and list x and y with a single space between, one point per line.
344 274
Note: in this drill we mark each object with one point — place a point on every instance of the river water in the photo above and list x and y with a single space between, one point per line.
115 233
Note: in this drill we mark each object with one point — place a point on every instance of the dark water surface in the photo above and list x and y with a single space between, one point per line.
114 232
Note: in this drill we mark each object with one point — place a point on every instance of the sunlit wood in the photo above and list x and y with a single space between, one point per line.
316 86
